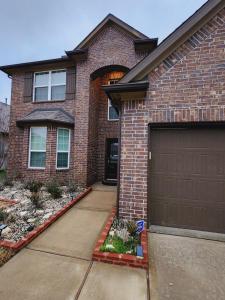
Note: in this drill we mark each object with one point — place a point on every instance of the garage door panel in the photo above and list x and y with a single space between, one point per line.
187 178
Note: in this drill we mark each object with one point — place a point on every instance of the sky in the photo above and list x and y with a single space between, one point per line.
43 29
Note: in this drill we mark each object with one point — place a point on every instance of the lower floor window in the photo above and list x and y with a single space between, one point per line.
37 147
63 148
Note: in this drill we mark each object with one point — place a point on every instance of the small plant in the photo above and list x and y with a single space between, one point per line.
54 189
11 218
35 199
8 182
3 216
72 187
33 186
132 228
123 234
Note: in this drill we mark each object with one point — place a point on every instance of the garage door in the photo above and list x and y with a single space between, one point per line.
187 178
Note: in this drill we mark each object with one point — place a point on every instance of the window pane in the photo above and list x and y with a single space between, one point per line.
62 160
59 77
63 140
38 138
37 159
41 94
41 79
58 92
113 114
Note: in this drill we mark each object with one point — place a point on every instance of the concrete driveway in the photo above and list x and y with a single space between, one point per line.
57 265
183 268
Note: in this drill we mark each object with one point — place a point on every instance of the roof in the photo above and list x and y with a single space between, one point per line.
54 115
174 40
4 117
9 68
80 52
111 19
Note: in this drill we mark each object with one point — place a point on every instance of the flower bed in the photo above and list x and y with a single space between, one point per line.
123 245
26 218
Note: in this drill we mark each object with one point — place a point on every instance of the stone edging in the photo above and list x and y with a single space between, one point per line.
120 259
9 202
16 246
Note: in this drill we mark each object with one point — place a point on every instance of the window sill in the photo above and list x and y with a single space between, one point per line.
115 120
48 101
62 169
38 169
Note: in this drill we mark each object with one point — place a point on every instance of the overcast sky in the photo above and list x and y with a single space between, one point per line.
42 29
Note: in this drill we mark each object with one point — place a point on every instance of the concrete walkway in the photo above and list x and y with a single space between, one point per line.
183 268
57 264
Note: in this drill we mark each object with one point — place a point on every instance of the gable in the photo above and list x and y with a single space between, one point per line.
111 20
188 31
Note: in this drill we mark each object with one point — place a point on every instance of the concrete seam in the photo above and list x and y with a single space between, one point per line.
83 281
58 254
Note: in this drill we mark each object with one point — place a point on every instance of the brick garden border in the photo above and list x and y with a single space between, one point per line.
16 246
120 259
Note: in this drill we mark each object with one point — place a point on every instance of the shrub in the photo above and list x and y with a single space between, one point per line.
3 216
54 189
132 228
35 199
8 182
72 187
33 186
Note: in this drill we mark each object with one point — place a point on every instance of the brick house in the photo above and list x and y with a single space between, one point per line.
158 131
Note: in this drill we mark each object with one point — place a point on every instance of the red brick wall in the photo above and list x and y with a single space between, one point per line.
111 46
188 86
19 138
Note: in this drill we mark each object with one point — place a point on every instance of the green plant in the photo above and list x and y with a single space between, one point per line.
33 186
11 218
35 199
116 245
3 216
72 187
8 182
132 228
54 189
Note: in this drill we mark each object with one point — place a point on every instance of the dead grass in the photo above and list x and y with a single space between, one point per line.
5 255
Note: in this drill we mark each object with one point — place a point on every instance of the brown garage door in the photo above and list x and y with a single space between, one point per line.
187 178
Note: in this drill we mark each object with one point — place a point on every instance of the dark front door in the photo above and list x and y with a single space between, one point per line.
111 159
187 178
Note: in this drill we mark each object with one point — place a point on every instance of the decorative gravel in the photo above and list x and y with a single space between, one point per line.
23 217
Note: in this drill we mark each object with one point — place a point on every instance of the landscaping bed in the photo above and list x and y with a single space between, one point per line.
5 255
121 243
29 208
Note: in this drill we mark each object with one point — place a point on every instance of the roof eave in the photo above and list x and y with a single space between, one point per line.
10 69
21 123
174 40
120 92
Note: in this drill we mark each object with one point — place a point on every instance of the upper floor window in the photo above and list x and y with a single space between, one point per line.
112 112
49 85
37 147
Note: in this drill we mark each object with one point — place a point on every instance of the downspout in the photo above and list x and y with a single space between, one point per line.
119 156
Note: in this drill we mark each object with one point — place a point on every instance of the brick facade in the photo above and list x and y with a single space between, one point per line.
112 46
186 87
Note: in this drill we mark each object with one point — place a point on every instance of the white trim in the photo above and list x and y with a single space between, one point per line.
69 146
109 102
110 105
29 153
49 86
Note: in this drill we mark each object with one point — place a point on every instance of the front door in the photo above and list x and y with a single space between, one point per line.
111 159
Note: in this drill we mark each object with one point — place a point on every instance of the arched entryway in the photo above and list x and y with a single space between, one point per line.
103 126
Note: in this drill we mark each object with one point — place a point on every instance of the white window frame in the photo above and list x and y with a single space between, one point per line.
29 155
68 162
109 102
49 86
